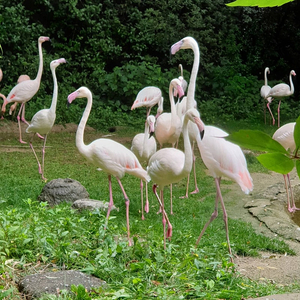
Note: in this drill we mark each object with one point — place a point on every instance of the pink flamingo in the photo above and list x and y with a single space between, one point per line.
223 158
264 91
144 146
170 165
25 90
285 136
169 125
43 121
149 97
282 90
189 101
110 156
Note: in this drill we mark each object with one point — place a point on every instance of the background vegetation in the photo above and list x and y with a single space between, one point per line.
118 47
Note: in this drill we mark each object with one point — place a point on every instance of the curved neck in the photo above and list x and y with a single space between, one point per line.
80 130
55 91
172 101
146 137
40 70
188 154
291 83
266 79
192 83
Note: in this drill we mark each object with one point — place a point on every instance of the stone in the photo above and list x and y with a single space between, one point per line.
62 190
91 204
39 284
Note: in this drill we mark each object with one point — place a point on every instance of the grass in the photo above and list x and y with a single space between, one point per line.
34 236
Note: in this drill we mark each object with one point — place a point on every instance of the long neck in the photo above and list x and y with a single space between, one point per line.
172 102
188 160
192 83
291 84
55 91
40 70
266 79
80 130
146 138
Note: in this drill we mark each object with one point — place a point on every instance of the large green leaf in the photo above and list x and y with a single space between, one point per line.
259 3
276 162
297 133
255 140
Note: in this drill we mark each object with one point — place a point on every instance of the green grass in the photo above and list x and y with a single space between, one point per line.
32 232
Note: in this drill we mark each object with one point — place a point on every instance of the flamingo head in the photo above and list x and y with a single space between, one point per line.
293 73
57 62
151 123
43 39
193 115
160 107
186 43
178 90
82 92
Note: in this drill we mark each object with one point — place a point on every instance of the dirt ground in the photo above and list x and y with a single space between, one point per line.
264 208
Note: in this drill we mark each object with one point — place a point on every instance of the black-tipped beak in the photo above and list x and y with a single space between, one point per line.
202 134
151 134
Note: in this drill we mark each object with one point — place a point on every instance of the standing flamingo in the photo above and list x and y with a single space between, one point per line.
223 158
264 91
169 125
189 101
285 136
144 146
149 97
170 165
43 121
110 156
25 90
282 90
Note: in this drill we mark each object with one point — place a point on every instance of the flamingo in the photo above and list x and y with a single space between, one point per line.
170 165
282 90
189 101
285 136
25 90
148 97
108 155
169 125
144 146
4 98
43 121
264 91
223 158
184 84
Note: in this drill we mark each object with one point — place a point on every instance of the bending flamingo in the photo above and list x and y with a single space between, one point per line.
189 101
170 165
108 155
285 136
43 121
282 90
144 146
25 90
264 91
149 97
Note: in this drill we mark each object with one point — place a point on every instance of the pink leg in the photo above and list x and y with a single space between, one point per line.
195 178
39 165
142 194
43 158
187 188
147 201
19 123
169 231
127 210
111 201
279 113
273 119
291 204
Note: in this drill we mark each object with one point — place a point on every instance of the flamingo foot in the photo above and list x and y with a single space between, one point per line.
147 206
293 209
195 191
184 197
169 231
143 218
22 142
159 210
129 243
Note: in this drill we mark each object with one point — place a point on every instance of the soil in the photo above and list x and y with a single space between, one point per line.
265 208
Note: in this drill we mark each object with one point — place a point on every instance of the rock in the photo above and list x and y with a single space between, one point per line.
91 204
51 282
60 190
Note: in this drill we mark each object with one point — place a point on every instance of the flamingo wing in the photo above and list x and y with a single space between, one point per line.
148 97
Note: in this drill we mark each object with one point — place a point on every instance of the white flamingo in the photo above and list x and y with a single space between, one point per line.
285 136
25 90
111 157
282 90
144 146
264 91
43 121
170 165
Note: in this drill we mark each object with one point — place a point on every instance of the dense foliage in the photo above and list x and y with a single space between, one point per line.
118 47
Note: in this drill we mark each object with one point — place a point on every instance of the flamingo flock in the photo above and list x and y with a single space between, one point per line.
165 166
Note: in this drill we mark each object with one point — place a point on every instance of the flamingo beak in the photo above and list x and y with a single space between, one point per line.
200 126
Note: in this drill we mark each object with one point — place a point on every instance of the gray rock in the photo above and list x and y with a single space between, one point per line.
39 284
60 190
91 205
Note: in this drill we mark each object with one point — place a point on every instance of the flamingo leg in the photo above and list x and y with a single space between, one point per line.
111 201
273 119
147 201
39 165
19 124
194 167
291 204
187 188
142 200
43 158
171 196
127 210
278 111
169 231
